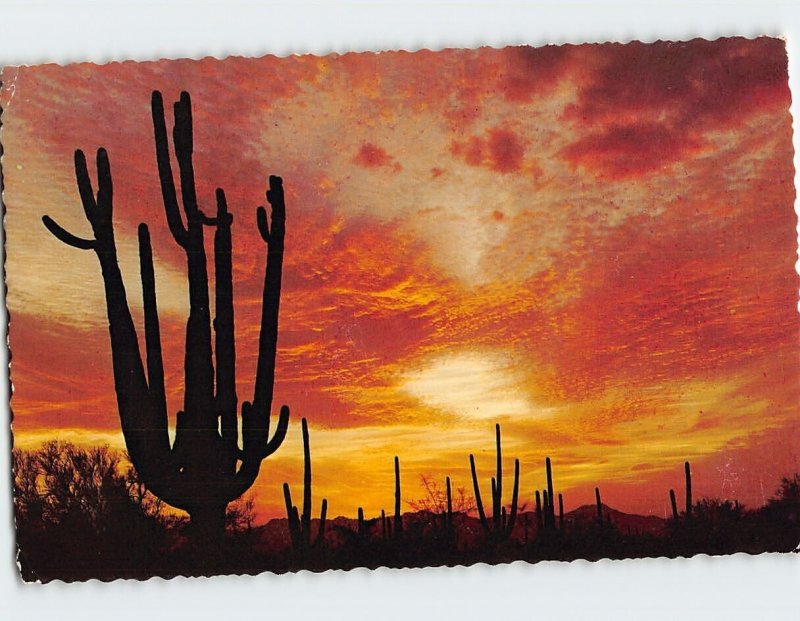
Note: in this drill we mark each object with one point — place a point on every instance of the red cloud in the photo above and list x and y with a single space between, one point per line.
501 150
373 156
622 151
650 104
528 70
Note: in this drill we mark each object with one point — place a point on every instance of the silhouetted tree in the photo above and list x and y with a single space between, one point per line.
435 498
81 512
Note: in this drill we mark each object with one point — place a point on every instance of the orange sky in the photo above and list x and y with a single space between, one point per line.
591 245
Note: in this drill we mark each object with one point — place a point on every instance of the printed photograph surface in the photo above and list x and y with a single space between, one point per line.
402 309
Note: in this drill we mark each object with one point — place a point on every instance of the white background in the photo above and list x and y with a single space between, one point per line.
737 587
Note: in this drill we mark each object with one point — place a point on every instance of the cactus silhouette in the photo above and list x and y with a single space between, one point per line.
300 525
362 527
204 469
674 504
599 506
688 473
539 520
549 514
448 516
560 512
398 517
499 528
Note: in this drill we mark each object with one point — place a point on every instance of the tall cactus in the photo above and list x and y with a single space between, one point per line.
398 516
673 502
448 516
300 525
550 513
500 528
204 469
688 473
599 506
539 520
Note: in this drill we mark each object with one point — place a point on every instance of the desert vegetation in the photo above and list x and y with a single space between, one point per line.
171 508
84 513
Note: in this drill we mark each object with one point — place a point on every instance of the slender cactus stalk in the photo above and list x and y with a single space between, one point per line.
449 514
204 468
674 504
302 533
398 517
688 472
362 529
560 512
539 519
599 506
550 514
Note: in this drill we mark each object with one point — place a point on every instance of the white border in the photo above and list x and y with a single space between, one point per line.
738 587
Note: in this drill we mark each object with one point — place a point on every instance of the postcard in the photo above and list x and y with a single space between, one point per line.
402 309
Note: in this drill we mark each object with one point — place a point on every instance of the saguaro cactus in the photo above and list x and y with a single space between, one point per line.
599 506
448 516
300 525
398 516
550 513
674 504
500 528
688 473
204 469
539 520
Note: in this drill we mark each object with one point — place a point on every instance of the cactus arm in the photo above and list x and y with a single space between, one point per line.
560 511
168 194
152 332
66 237
398 516
514 499
545 508
280 432
306 480
254 449
143 422
496 507
225 346
268 336
182 137
291 515
323 515
497 491
599 505
477 489
198 368
673 502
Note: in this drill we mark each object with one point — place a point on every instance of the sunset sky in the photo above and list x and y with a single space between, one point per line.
593 246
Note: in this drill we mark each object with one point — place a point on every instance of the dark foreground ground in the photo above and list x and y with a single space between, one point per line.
80 516
141 548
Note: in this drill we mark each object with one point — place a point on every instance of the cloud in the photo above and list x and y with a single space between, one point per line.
650 105
500 150
373 156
